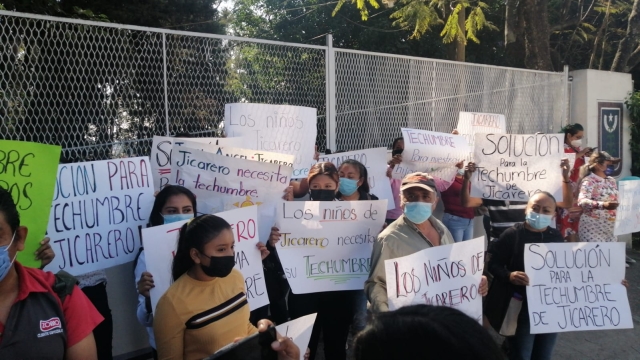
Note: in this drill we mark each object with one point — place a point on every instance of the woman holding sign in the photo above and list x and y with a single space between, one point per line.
172 204
506 264
206 307
335 308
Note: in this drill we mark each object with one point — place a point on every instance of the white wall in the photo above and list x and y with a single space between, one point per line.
129 337
590 87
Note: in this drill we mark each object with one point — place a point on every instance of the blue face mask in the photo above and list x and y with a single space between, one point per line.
417 212
5 261
168 219
538 221
608 171
348 186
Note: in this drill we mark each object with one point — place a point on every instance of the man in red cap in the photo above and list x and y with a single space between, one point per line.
415 230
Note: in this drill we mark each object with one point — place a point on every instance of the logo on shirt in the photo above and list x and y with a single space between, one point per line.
50 327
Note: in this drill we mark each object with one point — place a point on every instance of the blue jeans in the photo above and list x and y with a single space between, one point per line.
460 228
527 346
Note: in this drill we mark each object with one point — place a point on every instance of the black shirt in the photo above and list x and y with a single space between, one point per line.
507 253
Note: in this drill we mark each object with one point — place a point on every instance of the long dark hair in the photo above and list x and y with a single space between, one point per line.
323 168
425 332
195 235
163 196
9 210
364 188
571 129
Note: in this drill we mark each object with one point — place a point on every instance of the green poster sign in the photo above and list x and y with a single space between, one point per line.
28 170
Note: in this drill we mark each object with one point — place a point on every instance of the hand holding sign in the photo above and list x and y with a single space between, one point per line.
576 287
515 167
449 275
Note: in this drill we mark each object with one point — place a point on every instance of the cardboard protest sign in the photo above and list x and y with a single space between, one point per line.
429 151
576 287
326 245
471 123
224 183
282 129
447 275
28 172
628 212
515 167
375 162
299 331
161 154
161 243
97 212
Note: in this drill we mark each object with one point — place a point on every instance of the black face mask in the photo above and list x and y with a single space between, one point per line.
219 266
322 195
396 152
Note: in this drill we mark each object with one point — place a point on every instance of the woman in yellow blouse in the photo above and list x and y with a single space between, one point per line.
206 307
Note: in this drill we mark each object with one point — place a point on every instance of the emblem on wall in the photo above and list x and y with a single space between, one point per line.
610 132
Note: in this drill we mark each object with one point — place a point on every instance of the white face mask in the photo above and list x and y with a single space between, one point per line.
576 143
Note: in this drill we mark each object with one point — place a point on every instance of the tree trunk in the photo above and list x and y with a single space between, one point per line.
536 31
514 33
629 42
599 37
460 45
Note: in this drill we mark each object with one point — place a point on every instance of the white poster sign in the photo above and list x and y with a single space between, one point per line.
429 151
447 275
326 245
375 160
628 212
224 183
515 167
576 287
161 242
282 129
299 331
161 150
97 211
471 123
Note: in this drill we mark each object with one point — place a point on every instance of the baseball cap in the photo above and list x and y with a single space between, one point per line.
418 179
601 156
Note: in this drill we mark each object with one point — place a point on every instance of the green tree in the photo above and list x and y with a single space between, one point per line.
91 87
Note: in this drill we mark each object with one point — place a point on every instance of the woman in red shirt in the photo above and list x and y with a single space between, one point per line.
36 322
568 218
457 218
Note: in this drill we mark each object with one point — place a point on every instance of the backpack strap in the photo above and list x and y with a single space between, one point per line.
63 284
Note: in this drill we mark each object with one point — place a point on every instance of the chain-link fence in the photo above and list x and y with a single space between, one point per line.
387 92
103 90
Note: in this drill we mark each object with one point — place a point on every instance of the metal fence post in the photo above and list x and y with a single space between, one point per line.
565 92
166 90
331 94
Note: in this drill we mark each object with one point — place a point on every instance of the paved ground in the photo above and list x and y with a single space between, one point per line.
599 345
613 344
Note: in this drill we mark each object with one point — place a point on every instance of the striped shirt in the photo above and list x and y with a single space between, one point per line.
504 214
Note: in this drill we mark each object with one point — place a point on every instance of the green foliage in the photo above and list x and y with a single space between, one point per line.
476 21
633 105
417 15
421 16
360 5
